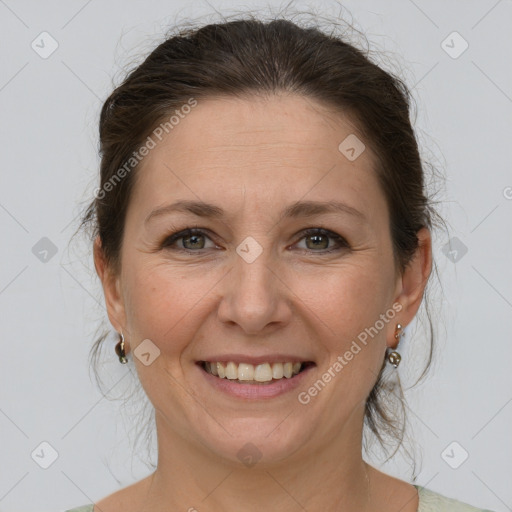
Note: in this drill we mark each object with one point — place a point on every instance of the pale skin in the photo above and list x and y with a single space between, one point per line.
253 157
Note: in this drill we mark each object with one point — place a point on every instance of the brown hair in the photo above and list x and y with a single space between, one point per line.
249 56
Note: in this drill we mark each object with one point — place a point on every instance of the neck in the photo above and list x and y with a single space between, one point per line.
330 475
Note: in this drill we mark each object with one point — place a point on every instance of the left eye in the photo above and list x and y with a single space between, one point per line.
320 239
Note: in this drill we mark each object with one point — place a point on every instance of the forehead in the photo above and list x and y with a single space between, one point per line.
274 149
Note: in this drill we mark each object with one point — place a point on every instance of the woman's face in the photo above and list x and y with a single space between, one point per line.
252 286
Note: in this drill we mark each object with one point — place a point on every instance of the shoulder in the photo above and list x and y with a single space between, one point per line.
128 499
430 501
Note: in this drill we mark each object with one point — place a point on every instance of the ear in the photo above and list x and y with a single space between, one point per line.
111 288
411 284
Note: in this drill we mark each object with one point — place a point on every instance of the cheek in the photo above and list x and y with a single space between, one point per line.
351 306
161 302
354 306
346 299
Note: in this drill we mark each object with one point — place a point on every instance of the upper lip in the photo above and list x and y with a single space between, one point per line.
254 360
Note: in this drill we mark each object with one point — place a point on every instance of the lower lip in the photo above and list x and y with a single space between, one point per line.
255 391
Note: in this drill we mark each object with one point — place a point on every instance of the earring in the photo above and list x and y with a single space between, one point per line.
394 357
120 350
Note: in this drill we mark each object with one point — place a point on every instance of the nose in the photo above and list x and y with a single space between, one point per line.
255 296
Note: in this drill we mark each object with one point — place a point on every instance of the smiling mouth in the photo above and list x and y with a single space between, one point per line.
246 373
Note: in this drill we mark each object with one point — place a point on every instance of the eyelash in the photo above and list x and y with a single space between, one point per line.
173 238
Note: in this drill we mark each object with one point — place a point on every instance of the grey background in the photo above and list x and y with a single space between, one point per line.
49 309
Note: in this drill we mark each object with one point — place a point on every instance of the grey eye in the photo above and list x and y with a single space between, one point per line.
317 241
195 241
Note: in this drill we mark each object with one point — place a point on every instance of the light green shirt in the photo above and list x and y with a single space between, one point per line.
429 501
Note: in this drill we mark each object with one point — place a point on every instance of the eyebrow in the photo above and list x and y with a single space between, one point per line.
294 210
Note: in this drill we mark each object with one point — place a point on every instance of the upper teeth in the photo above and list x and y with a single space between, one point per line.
260 373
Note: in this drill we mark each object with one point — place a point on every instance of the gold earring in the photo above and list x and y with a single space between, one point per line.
394 357
120 350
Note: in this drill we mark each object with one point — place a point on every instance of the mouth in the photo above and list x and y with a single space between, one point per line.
262 374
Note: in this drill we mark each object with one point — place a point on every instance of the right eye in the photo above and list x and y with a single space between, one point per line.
193 237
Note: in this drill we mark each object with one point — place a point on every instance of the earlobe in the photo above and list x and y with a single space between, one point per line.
111 288
415 277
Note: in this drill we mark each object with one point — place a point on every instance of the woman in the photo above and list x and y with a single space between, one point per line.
262 235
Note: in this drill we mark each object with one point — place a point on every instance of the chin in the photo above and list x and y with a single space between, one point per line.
260 443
